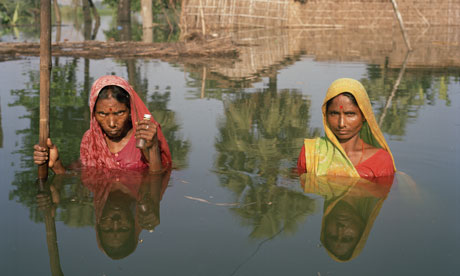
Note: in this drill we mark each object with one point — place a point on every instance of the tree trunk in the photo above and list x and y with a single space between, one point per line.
147 20
87 20
124 19
97 18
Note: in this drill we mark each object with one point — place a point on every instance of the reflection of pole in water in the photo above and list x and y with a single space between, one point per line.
124 19
51 240
203 82
58 33
57 12
51 236
395 87
97 18
273 81
132 74
87 20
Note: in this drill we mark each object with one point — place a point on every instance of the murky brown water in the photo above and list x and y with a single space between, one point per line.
235 128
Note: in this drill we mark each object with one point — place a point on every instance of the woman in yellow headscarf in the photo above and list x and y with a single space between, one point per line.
353 145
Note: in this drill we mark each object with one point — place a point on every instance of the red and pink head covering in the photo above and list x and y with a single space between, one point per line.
94 151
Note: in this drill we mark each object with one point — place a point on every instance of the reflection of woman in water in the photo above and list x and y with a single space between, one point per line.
353 145
117 230
125 202
351 206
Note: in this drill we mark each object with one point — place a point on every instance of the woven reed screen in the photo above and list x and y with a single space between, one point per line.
223 14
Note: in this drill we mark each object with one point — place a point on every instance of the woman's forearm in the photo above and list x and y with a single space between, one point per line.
58 167
153 156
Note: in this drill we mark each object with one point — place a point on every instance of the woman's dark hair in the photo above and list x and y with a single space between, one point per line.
348 95
115 92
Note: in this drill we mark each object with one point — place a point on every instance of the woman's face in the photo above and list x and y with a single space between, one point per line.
344 118
113 117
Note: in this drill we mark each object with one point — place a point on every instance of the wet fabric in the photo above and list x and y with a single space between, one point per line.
130 157
379 164
325 155
94 151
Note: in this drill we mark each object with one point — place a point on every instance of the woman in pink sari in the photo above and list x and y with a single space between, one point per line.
116 123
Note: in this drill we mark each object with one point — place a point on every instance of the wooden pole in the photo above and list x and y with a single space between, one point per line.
183 21
203 24
45 72
147 20
401 24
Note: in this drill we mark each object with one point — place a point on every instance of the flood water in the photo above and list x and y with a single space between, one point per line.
232 205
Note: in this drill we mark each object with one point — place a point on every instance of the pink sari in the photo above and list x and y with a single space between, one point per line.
94 151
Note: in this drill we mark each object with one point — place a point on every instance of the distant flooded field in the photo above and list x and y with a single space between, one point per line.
232 205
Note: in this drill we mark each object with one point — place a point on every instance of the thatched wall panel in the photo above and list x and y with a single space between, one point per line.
220 14
237 14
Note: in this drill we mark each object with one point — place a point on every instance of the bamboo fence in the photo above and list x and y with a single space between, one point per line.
212 15
236 14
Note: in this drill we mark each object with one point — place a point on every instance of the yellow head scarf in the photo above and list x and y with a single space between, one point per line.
325 155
